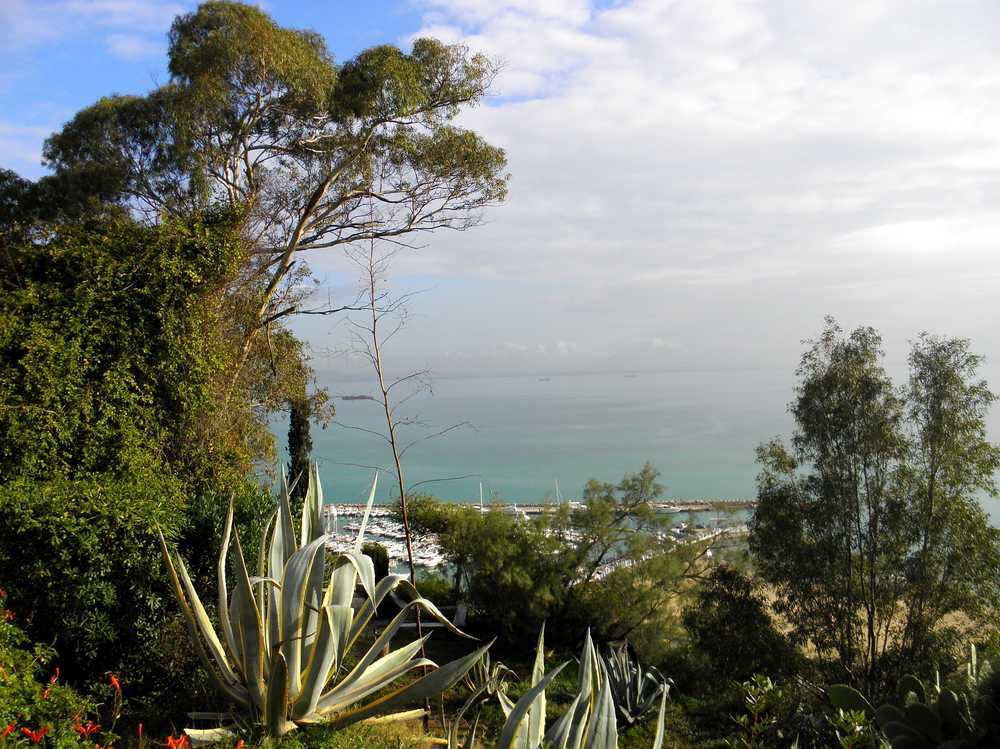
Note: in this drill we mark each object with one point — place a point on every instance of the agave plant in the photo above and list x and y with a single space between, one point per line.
281 657
636 691
486 678
588 723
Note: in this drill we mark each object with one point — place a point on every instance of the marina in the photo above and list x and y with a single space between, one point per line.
343 522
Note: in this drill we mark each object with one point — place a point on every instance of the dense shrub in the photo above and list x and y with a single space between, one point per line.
83 570
34 697
380 558
730 625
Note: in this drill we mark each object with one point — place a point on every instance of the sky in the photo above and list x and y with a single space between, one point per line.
694 183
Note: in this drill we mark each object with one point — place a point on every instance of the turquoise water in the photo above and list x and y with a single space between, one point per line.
698 428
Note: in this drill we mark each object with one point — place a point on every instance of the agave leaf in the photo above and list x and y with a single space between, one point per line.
376 676
536 715
470 738
404 590
205 625
208 736
368 608
505 704
227 629
515 730
237 693
327 656
248 631
368 509
382 642
277 699
317 668
282 540
661 722
568 729
426 686
299 580
312 508
348 568
602 730
396 717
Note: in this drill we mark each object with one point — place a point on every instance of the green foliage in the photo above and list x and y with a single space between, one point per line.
924 717
107 354
287 633
758 724
34 697
79 561
729 623
875 513
299 448
380 559
607 565
257 118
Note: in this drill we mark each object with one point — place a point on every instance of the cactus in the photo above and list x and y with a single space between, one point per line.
925 719
636 691
287 631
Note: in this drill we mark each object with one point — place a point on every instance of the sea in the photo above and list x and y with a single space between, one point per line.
531 439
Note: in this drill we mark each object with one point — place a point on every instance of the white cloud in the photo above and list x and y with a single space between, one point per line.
131 47
24 24
720 175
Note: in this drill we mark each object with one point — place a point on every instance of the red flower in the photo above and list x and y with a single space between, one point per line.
239 744
179 743
140 731
8 730
88 729
9 616
35 736
115 683
55 676
45 693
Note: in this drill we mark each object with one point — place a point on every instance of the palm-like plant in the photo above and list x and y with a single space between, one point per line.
286 631
636 691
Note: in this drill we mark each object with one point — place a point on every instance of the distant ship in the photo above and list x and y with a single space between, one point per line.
356 398
545 379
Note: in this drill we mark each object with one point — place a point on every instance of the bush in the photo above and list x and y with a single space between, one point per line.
730 625
380 558
83 569
33 696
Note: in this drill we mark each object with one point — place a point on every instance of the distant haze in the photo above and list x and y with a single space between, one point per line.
694 184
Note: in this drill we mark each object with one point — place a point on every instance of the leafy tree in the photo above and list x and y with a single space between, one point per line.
313 155
607 566
865 541
951 464
728 622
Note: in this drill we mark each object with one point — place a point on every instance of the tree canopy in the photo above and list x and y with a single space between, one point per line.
259 119
869 527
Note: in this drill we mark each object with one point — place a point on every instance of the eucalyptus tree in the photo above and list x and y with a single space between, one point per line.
868 527
261 120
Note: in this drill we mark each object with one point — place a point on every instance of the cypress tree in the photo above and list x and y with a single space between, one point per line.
299 447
